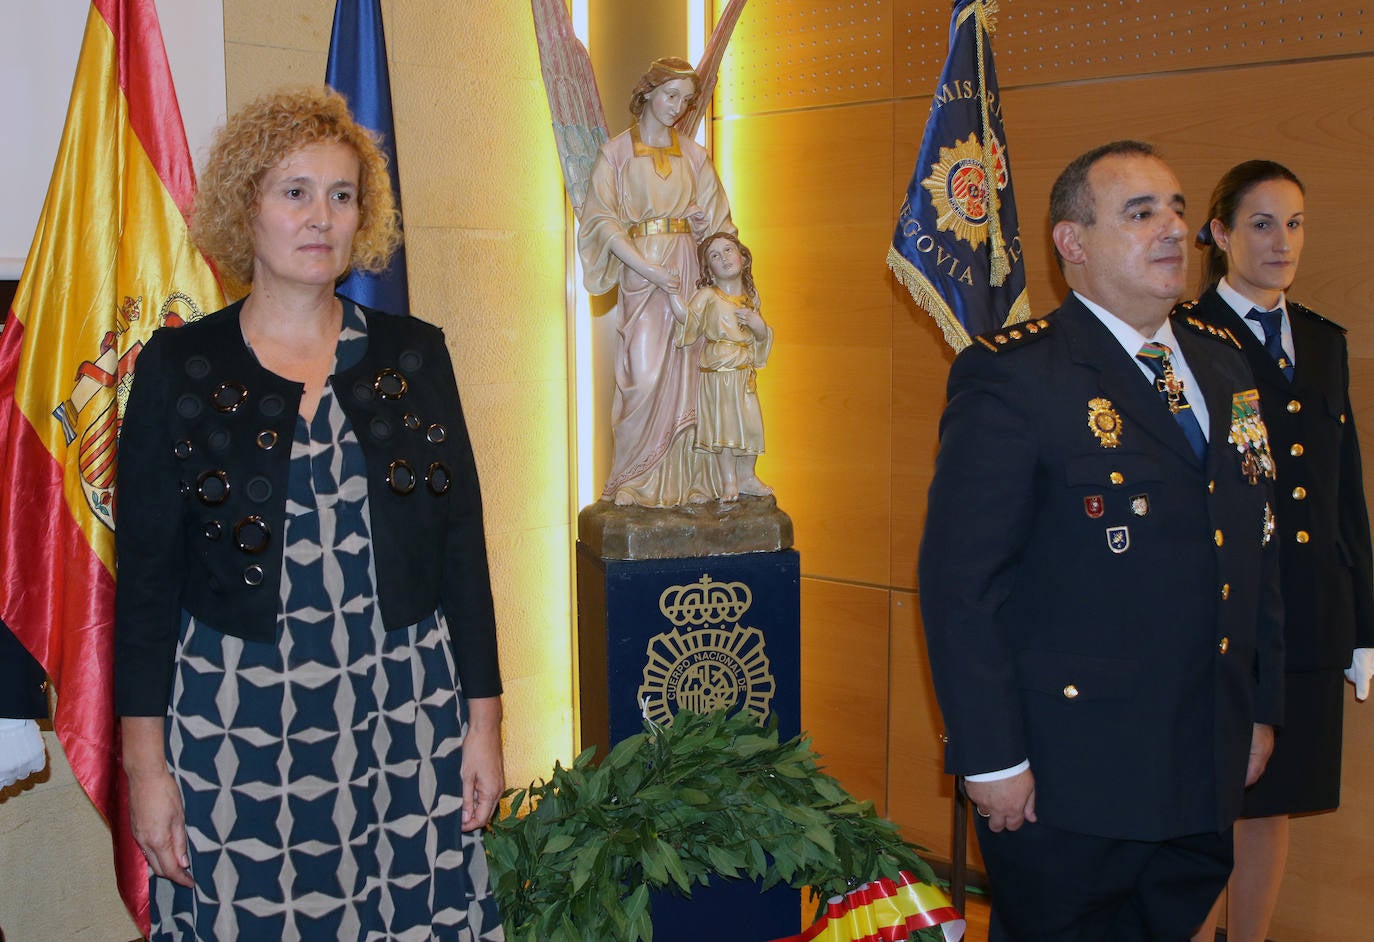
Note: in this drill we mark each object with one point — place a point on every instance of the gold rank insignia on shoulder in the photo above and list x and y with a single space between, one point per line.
1250 436
1014 335
1269 525
1104 422
1210 330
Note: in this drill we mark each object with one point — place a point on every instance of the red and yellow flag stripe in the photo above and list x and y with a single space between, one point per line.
885 910
111 261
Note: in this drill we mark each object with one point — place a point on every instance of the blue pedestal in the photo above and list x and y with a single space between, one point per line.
657 636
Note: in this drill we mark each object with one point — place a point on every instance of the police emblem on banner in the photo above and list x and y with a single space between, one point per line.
708 660
960 189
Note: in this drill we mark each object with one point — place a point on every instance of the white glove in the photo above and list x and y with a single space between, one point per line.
21 751
1360 670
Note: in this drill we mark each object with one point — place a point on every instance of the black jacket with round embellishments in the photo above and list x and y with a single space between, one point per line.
204 455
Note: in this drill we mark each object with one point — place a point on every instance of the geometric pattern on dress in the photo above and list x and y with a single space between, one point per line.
321 774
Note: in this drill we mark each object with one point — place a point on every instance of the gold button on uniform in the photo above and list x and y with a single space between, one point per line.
1296 450
1211 487
1070 691
1302 536
1223 645
1117 477
1294 405
1218 539
1299 493
1225 591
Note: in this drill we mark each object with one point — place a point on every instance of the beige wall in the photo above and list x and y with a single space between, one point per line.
820 112
485 247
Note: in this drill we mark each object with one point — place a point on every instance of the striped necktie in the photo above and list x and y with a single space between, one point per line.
1158 358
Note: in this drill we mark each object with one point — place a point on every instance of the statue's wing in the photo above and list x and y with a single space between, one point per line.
709 64
579 124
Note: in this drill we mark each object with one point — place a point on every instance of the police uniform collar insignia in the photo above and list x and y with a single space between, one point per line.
1015 335
1104 422
1250 436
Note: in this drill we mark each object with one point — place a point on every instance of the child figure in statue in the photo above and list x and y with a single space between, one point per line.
724 314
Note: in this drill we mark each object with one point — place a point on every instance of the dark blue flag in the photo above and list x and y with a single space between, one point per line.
957 247
357 70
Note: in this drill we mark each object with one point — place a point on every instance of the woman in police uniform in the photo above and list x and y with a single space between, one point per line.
1252 242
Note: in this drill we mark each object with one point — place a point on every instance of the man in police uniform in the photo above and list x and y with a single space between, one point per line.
1098 580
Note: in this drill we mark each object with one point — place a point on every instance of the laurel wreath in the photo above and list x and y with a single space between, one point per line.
709 797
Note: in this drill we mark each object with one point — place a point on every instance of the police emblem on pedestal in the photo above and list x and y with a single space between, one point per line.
705 662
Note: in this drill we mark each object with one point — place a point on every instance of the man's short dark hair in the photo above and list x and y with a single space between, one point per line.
1071 199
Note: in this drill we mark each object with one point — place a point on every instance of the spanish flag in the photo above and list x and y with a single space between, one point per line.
111 261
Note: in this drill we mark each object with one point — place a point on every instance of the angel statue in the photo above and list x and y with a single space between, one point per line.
650 197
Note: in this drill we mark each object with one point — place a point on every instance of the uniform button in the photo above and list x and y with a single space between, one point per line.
1116 477
1070 692
1299 493
1211 487
1296 450
1342 418
1302 536
1224 645
1217 538
1225 591
1294 405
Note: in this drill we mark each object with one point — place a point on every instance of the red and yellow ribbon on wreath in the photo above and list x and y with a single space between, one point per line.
885 910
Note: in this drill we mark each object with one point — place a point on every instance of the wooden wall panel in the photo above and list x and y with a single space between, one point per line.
818 251
845 689
786 55
920 794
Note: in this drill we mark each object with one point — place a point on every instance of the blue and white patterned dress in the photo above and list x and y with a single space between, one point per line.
321 774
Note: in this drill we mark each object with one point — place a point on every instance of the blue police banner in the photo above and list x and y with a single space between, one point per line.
957 246
357 70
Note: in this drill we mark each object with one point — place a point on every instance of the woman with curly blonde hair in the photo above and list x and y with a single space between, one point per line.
306 664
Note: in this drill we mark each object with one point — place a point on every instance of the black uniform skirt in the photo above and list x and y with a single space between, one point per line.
1304 773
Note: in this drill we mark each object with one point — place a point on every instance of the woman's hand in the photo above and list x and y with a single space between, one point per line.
484 775
155 811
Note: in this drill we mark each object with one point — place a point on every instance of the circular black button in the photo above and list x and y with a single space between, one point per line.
219 440
390 384
197 367
410 360
227 397
401 476
253 575
381 429
188 406
362 392
252 534
212 487
258 489
411 420
213 529
437 479
272 405
182 449
267 439
437 434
